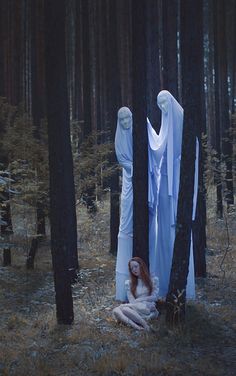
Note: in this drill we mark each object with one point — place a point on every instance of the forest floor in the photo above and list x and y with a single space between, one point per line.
31 343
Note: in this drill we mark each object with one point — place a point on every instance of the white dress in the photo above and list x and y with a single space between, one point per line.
124 154
143 304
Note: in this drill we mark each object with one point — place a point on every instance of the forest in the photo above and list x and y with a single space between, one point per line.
66 68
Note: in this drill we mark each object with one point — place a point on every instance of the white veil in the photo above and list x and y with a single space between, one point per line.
171 133
124 143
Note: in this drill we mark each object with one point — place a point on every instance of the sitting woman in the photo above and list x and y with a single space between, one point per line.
142 293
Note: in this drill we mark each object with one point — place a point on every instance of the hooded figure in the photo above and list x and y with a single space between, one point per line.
164 164
124 154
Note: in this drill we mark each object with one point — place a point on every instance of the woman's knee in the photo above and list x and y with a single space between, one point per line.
116 311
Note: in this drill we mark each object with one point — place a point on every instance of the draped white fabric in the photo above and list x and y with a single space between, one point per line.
124 153
164 161
164 158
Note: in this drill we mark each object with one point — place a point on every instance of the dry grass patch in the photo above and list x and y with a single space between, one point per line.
33 344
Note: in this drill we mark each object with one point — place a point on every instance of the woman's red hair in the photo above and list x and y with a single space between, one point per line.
144 276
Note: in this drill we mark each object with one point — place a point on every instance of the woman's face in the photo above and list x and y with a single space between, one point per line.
125 120
135 268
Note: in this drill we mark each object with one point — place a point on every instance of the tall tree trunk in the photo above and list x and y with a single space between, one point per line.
5 70
153 65
140 139
2 16
102 67
70 55
224 98
27 74
233 94
62 194
209 72
124 31
218 131
16 47
87 30
113 104
38 89
6 229
38 106
233 63
86 20
37 65
79 115
169 51
191 44
230 50
199 224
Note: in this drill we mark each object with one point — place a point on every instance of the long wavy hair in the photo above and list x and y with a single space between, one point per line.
144 276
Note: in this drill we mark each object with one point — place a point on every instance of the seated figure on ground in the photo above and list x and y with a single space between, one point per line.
142 292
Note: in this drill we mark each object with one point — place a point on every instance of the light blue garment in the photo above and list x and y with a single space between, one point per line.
166 232
153 187
124 154
166 150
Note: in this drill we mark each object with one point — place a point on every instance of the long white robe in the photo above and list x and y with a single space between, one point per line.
166 159
124 154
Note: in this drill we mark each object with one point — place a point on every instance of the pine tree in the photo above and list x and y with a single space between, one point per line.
62 194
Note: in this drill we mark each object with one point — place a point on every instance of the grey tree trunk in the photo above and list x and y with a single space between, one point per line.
140 138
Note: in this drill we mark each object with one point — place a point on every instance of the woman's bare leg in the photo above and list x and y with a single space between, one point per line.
120 316
134 316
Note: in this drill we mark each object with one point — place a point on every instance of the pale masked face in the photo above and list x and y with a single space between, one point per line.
135 268
125 120
162 102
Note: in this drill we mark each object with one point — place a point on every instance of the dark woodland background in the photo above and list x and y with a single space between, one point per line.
66 67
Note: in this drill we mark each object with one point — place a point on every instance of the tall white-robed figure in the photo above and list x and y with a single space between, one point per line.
166 148
124 154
